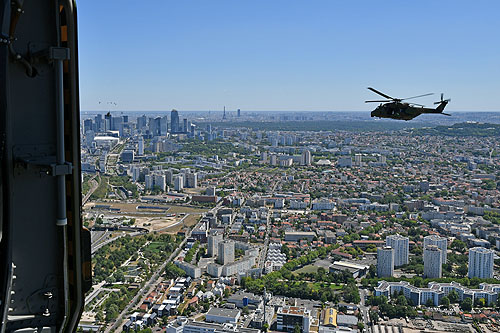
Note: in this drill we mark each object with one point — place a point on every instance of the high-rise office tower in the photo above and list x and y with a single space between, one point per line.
401 247
163 125
87 125
385 261
155 126
185 125
224 115
140 146
440 242
239 113
226 252
481 262
107 121
141 122
174 119
98 123
433 266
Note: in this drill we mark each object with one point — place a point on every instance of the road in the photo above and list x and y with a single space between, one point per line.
146 289
95 185
176 223
96 288
96 247
364 310
263 252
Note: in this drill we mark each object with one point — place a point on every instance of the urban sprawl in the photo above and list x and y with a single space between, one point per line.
208 225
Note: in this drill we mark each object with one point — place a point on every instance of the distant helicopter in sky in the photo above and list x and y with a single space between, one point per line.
395 108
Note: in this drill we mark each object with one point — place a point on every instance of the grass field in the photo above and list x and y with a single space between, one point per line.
155 246
316 286
306 269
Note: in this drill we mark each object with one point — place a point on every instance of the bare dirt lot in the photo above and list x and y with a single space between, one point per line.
164 218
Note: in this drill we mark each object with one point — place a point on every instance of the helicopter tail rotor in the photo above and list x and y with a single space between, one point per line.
442 100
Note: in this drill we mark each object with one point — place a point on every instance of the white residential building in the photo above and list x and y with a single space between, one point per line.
440 242
306 158
481 262
179 183
433 267
226 252
385 261
401 246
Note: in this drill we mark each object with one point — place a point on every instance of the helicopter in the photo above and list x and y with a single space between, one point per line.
395 108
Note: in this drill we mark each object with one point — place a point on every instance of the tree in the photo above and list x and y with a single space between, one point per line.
458 245
297 329
373 317
462 270
479 302
466 304
146 330
99 316
429 303
453 296
445 302
401 300
112 312
245 310
361 326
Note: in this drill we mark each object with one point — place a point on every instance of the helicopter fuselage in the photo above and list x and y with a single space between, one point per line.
400 111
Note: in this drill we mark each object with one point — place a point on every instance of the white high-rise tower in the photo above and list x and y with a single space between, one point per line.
481 262
401 246
385 261
433 266
440 242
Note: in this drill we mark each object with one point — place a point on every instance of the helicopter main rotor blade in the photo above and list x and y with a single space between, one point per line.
379 101
380 93
418 96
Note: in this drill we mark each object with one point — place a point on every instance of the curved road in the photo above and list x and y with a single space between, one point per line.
95 185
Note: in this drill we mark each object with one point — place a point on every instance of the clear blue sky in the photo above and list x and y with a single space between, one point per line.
286 54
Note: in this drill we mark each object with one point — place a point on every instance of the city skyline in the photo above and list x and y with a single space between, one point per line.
286 56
